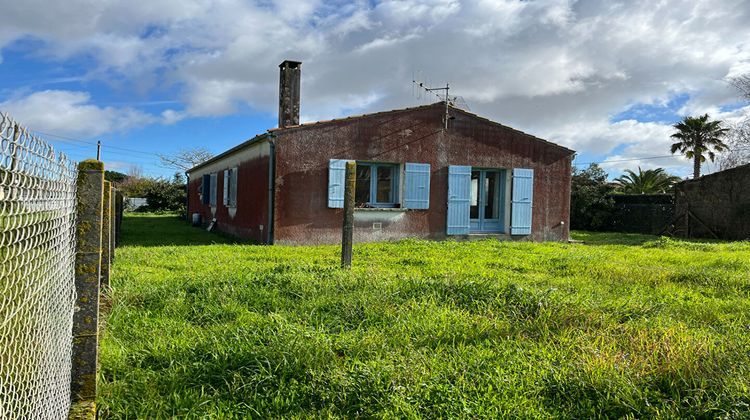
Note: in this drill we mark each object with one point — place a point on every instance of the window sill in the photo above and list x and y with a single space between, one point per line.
396 209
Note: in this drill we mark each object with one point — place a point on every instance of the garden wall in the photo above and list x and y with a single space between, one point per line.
642 213
718 205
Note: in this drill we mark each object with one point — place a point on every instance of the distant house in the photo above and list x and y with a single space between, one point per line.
415 178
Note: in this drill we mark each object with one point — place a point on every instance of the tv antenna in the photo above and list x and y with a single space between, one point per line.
454 101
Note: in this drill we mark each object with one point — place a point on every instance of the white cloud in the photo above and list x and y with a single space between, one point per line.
556 68
645 144
72 113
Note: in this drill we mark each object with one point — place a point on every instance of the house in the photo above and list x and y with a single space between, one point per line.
415 178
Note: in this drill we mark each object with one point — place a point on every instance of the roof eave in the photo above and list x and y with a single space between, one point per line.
250 142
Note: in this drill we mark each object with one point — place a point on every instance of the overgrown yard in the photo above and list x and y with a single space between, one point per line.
621 325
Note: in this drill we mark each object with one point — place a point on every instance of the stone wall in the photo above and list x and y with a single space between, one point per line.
718 204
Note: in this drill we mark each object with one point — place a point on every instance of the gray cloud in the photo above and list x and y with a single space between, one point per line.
556 68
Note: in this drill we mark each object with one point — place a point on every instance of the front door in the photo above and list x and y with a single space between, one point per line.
487 200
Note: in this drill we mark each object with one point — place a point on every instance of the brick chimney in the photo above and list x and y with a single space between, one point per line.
289 77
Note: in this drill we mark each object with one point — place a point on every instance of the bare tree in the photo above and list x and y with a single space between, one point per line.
186 158
742 84
135 171
738 137
738 144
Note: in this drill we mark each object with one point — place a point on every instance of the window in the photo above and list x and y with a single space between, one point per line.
377 185
230 187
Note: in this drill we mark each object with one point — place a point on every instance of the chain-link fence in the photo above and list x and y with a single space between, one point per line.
37 290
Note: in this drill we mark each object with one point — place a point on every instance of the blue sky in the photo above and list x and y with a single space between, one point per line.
149 77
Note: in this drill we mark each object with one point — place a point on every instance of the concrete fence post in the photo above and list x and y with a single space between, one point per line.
112 224
106 233
347 232
90 191
118 216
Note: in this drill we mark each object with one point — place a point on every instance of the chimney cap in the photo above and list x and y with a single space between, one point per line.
290 63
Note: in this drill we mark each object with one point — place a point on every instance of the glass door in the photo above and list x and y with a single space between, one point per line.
487 198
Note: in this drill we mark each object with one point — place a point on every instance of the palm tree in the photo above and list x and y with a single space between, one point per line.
697 137
650 181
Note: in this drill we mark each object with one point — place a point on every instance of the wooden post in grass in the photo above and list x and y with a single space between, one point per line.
89 192
347 233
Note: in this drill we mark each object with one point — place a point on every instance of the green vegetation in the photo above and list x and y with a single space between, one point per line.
167 195
591 204
115 177
650 181
620 325
698 137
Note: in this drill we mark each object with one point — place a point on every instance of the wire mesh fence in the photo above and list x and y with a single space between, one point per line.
37 290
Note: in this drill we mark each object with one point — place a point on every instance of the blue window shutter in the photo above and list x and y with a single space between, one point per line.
521 203
417 186
336 179
206 187
459 194
233 187
214 177
225 195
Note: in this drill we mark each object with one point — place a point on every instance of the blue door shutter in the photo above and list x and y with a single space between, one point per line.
417 186
336 179
459 194
521 203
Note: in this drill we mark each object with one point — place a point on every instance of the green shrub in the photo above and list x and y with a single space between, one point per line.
166 195
591 206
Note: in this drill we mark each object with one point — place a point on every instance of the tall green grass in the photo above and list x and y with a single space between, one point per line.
620 325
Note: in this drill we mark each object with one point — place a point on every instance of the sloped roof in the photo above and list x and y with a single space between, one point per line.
353 117
393 111
374 114
236 148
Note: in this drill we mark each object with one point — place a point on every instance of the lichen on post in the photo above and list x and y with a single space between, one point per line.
89 194
106 233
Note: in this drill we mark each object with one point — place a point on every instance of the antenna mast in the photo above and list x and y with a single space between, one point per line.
446 98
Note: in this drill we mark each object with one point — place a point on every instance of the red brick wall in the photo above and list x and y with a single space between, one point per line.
302 156
251 213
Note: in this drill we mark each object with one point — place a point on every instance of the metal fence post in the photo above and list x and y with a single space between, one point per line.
90 192
348 228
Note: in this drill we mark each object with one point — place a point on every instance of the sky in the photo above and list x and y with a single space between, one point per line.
605 78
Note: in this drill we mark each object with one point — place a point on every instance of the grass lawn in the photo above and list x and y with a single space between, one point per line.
620 325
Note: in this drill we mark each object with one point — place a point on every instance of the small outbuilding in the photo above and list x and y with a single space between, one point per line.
432 171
